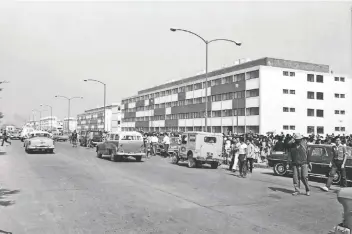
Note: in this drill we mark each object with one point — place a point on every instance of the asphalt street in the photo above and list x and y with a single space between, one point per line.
72 191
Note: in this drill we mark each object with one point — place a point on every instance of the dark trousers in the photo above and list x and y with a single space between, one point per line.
232 162
242 164
5 140
300 173
166 148
336 166
250 164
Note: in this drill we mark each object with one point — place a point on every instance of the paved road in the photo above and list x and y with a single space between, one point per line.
72 191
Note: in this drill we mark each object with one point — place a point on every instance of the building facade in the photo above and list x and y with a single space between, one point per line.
93 119
264 95
48 123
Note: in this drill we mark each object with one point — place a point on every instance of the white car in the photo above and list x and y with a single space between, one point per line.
39 141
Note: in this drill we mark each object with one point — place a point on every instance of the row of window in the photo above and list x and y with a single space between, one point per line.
319 78
338 129
341 112
213 98
194 115
319 113
337 95
319 96
286 73
285 91
310 112
311 94
291 109
311 129
201 85
342 79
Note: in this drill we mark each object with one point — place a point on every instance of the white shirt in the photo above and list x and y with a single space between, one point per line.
154 139
242 149
166 140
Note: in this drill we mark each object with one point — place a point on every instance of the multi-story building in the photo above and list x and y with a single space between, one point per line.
69 124
264 95
48 123
93 119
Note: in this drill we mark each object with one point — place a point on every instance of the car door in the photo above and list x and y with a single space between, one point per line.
207 144
318 158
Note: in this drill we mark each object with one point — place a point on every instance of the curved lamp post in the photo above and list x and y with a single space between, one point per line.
51 116
206 65
87 80
69 106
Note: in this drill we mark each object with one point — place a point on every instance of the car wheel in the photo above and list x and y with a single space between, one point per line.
99 155
175 159
280 169
214 165
113 157
139 158
337 178
191 161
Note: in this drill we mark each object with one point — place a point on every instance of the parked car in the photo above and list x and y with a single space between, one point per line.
59 137
15 136
39 141
97 138
199 148
320 158
120 145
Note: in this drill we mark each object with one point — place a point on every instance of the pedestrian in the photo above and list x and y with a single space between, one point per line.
337 164
300 161
154 141
234 159
5 138
242 150
250 155
166 142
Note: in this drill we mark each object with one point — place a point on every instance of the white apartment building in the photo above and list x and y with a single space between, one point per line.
69 124
264 95
49 122
93 119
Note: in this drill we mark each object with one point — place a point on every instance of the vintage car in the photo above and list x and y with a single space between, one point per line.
15 136
60 137
120 145
173 148
320 158
39 141
199 148
97 138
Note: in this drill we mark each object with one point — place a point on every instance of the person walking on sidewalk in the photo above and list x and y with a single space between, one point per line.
250 155
298 156
242 150
337 164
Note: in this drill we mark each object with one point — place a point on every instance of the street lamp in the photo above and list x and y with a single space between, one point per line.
69 106
4 82
40 117
51 116
206 65
104 97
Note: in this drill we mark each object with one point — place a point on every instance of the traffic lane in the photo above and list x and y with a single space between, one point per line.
60 194
265 198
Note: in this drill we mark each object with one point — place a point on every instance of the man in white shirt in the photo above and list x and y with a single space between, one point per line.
242 150
154 142
250 155
166 142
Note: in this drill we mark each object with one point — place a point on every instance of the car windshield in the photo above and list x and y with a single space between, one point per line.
40 135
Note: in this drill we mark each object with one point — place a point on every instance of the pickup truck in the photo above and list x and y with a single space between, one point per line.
320 158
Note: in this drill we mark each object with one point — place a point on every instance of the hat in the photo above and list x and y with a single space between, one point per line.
298 136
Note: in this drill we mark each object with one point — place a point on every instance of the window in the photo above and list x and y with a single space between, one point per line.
320 130
253 111
337 95
216 114
285 109
342 95
189 101
310 112
320 79
292 127
310 77
337 129
285 91
217 81
239 77
318 152
310 95
285 127
210 139
252 74
252 93
320 113
337 112
310 129
285 73
292 91
342 112
292 109
181 89
343 129
216 98
320 96
227 80
342 79
197 100
292 74
337 78
189 88
198 86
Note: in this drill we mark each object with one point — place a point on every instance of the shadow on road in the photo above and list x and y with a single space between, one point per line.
283 190
126 160
4 193
185 164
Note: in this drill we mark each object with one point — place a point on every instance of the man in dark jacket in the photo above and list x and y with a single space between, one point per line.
298 156
279 146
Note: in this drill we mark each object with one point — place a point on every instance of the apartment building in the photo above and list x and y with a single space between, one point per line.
264 95
49 122
69 124
93 119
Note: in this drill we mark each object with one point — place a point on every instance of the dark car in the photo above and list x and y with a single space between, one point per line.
97 138
320 158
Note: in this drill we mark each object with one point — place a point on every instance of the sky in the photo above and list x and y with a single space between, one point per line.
48 48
